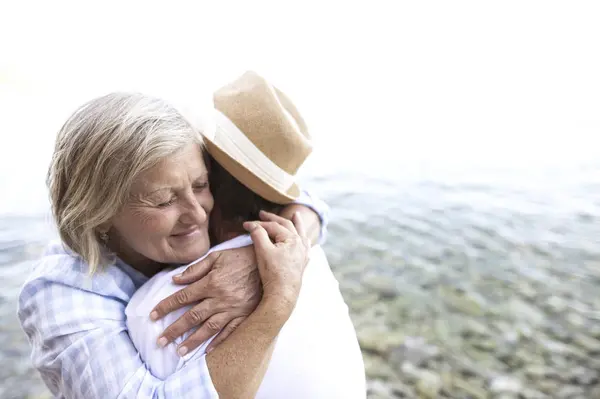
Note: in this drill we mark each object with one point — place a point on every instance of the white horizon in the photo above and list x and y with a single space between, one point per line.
510 85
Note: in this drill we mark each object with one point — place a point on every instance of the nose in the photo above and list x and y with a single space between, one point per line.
194 212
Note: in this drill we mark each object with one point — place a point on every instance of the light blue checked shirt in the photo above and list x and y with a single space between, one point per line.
77 329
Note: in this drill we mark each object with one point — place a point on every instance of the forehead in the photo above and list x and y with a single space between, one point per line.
183 167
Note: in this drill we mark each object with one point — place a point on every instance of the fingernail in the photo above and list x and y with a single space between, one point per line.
209 350
249 226
162 342
182 351
178 275
154 315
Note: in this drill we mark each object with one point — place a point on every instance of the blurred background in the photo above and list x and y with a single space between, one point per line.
456 142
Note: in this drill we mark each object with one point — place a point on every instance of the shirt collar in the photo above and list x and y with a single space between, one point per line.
136 276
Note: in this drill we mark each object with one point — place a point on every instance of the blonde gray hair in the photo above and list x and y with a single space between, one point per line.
100 150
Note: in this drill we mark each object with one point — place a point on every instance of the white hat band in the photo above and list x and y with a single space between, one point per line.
237 145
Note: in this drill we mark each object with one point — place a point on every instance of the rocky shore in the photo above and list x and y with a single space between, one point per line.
451 295
473 290
543 346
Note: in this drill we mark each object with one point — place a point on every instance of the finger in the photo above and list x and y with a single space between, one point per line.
299 224
198 270
210 327
276 232
190 319
259 236
271 217
225 332
186 296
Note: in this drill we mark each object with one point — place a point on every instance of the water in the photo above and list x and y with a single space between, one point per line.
493 236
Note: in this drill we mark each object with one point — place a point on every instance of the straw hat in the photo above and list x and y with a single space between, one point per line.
259 137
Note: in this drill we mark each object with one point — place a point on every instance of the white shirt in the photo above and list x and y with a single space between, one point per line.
316 355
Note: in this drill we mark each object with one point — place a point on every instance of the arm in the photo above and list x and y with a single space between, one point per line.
224 288
314 213
238 365
82 349
310 217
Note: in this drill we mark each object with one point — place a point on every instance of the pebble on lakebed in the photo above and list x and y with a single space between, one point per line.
457 349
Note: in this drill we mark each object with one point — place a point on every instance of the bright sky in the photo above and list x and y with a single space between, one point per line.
509 83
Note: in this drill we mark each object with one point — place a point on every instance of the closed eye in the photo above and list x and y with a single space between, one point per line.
166 204
200 186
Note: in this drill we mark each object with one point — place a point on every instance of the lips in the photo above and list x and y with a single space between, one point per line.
186 233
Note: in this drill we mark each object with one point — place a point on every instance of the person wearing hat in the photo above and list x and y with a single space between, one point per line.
130 196
258 143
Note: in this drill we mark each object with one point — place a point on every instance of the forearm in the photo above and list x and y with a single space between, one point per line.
311 219
237 366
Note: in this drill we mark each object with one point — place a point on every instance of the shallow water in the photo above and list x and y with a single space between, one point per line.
496 271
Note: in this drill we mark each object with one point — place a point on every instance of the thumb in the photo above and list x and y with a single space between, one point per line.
196 271
259 235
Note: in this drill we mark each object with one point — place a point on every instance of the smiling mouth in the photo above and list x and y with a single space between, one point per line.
186 233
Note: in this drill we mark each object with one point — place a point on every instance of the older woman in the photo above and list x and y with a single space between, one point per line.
129 192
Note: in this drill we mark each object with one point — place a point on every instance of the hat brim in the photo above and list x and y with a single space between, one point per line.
249 179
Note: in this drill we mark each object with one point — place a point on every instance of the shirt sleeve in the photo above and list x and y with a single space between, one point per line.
82 348
320 208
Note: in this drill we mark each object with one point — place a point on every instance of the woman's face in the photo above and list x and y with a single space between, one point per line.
166 217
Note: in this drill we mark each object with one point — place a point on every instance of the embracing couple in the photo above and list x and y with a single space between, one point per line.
190 262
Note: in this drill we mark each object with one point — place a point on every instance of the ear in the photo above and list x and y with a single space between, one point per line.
104 227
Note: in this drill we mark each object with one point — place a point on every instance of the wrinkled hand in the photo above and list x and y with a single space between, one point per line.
224 288
282 251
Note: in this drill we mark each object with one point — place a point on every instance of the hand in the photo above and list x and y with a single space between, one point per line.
310 220
282 250
225 288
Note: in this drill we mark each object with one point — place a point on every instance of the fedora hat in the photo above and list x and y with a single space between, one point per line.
259 137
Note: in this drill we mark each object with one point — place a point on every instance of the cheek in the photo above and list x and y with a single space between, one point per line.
206 200
146 224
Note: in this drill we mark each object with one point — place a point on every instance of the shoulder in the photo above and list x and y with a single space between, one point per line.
317 254
153 291
318 260
319 279
60 273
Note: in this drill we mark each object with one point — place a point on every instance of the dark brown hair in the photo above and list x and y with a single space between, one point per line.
234 203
